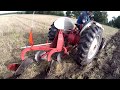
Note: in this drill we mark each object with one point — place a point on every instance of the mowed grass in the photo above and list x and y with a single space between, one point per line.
14 31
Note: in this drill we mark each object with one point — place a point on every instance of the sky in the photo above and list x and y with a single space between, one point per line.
7 11
110 13
113 14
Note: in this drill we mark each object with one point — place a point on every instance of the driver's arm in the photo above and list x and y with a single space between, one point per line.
84 16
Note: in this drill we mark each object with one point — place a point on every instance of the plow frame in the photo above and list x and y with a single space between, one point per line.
56 46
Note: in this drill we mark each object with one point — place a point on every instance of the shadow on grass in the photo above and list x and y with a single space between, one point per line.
38 37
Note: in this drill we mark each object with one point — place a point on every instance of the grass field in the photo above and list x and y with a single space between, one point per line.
14 31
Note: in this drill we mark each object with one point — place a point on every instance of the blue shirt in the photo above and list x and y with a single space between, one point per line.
82 16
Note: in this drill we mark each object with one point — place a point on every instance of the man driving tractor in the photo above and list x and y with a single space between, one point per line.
84 17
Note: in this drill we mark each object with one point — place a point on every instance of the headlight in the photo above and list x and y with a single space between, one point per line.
83 21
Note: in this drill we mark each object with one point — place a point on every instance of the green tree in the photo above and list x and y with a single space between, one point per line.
76 13
29 12
117 22
112 22
58 13
100 17
68 13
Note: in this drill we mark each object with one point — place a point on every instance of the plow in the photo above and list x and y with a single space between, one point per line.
64 39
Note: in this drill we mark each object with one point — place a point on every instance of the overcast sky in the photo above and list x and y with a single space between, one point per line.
110 13
7 11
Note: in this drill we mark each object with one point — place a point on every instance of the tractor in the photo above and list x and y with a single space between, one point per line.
64 38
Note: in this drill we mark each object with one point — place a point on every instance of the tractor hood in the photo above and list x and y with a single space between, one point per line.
64 23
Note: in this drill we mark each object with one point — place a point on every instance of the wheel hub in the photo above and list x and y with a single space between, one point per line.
93 49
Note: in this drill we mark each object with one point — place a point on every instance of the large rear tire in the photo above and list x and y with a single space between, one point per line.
89 45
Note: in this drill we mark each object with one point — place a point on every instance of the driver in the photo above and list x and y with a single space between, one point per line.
86 16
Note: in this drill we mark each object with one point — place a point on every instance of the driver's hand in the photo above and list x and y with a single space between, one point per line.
75 27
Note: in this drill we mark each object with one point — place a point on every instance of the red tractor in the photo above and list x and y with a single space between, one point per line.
64 39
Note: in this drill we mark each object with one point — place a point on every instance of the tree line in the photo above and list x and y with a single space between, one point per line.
99 16
58 13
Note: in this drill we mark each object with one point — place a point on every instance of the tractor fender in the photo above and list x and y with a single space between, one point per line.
89 24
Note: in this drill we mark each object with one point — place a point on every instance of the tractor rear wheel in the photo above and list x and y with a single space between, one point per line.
88 47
